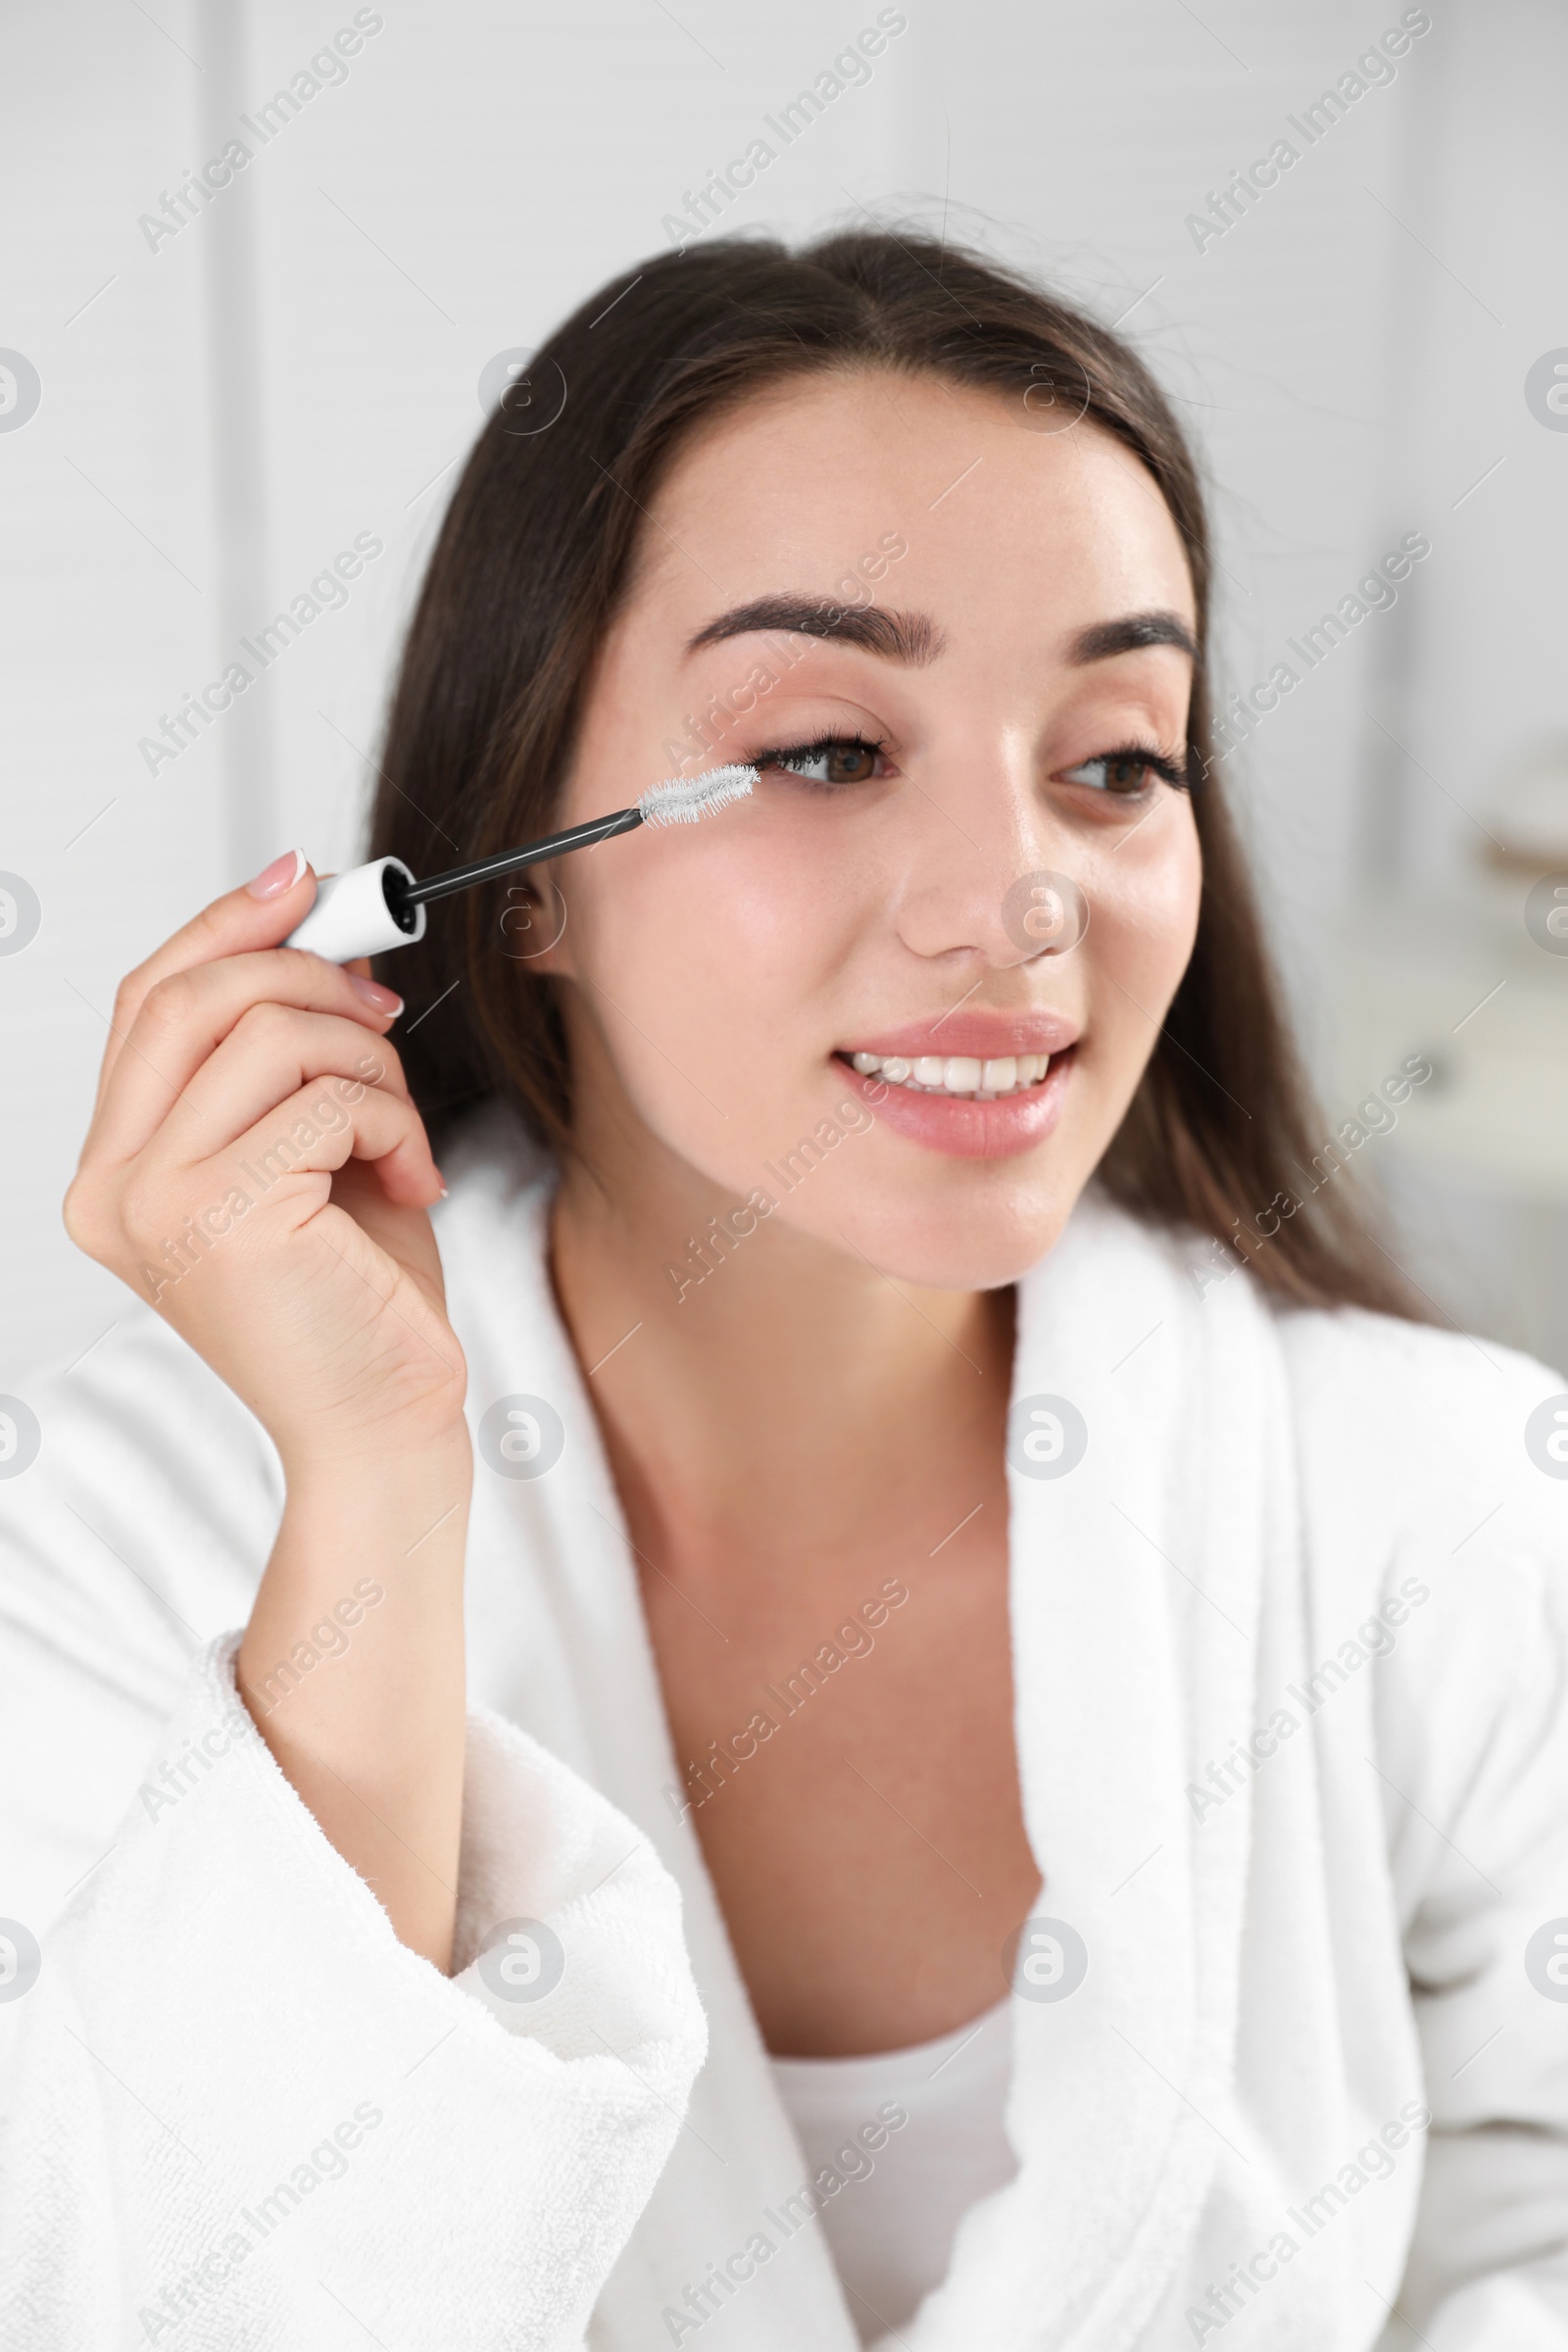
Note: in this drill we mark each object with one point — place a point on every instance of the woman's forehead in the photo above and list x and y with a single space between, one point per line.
805 485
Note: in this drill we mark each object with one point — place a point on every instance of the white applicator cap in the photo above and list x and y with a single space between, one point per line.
353 915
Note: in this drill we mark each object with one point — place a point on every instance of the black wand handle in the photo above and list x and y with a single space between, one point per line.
462 877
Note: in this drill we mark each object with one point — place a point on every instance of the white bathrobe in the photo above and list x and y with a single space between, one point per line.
1319 2062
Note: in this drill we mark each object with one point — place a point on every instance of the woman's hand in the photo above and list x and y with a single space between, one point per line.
256 1168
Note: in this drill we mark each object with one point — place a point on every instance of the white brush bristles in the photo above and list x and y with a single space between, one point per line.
683 799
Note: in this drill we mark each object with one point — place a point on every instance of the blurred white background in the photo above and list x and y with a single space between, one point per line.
222 409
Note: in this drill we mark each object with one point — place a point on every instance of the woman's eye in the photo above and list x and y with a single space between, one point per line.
843 760
1127 775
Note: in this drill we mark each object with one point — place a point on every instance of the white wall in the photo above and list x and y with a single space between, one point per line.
300 364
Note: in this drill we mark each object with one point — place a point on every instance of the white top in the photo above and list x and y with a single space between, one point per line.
915 2137
1290 1649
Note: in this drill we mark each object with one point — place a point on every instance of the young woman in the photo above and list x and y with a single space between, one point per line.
867 1680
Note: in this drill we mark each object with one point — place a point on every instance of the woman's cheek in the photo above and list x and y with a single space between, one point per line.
713 983
1143 906
657 934
759 953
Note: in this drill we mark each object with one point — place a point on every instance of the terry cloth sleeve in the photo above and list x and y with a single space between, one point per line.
1474 1752
236 2110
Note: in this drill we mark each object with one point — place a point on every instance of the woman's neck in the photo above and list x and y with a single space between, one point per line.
791 1387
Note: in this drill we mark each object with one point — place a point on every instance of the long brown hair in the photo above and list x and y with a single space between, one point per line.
531 560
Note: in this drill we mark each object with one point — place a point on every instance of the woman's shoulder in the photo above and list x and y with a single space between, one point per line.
1432 1474
1428 1384
1437 1455
1424 1391
1393 1425
1337 1350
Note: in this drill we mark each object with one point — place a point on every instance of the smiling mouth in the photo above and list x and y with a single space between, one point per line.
961 1075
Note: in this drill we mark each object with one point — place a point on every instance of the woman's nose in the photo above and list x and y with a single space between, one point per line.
991 876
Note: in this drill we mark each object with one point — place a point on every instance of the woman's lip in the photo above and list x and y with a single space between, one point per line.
988 1036
960 1125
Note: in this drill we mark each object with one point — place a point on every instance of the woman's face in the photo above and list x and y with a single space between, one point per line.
856 990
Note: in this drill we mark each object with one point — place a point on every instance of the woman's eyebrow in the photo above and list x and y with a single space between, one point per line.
1129 635
911 638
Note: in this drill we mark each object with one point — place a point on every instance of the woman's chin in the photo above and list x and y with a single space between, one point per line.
991 1248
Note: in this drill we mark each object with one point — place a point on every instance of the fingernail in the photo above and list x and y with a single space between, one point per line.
442 1182
383 999
280 875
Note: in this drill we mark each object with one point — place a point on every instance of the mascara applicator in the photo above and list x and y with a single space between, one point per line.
380 905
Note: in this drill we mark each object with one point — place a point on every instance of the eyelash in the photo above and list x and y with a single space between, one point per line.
790 757
1170 770
786 754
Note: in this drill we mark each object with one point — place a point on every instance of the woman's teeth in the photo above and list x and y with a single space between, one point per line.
955 1073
